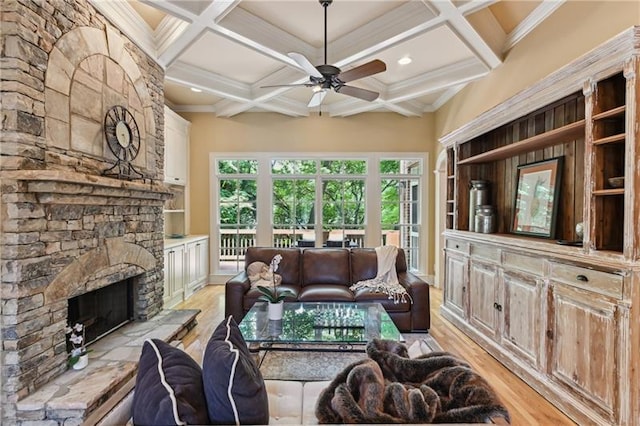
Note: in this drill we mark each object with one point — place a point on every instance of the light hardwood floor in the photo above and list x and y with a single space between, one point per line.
525 405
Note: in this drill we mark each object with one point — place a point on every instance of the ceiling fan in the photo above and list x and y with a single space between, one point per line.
325 77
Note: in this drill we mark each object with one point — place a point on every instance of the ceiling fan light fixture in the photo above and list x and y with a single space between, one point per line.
405 60
317 88
195 89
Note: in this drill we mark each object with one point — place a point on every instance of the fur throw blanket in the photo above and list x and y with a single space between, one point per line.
389 387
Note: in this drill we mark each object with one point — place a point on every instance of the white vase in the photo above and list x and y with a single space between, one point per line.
275 310
83 361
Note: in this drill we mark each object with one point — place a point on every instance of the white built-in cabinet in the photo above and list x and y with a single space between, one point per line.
186 267
186 257
176 148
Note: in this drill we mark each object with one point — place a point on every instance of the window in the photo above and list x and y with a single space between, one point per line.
237 218
400 206
313 201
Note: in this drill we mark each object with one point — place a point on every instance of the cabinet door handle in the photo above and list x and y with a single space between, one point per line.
457 246
582 278
495 305
499 308
176 178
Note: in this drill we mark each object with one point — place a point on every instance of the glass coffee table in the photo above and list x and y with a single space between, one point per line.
318 326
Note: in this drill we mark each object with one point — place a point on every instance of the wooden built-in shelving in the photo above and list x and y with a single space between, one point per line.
570 131
614 112
610 139
615 191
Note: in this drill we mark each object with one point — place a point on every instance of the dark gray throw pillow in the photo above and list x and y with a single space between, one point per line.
233 385
168 388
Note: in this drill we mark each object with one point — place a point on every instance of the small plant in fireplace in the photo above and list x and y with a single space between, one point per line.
77 340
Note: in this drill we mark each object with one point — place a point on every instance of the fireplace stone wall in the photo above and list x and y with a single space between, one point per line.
66 229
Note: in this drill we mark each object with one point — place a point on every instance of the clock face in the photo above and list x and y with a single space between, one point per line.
121 131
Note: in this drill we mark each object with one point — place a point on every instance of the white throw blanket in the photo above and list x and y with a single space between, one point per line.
386 280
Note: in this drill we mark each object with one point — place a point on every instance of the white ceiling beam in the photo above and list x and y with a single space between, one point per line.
396 26
535 18
227 108
457 22
436 80
215 84
256 33
198 23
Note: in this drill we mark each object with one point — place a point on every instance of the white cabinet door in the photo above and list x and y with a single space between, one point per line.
174 276
176 148
455 284
197 265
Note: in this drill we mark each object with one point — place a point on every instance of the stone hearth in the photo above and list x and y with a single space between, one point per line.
74 396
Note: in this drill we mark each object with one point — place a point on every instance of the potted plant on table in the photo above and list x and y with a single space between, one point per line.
274 294
78 357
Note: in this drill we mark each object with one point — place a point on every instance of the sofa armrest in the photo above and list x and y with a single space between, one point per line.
235 290
419 291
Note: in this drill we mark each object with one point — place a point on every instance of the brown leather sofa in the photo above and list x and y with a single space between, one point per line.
324 275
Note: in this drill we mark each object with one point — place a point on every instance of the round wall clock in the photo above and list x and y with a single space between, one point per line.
121 130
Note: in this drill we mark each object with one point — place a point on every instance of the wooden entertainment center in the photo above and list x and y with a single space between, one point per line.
564 317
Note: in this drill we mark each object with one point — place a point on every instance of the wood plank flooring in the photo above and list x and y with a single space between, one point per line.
525 405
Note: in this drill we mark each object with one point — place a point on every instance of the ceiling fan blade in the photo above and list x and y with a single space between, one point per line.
287 85
357 92
305 64
364 70
317 98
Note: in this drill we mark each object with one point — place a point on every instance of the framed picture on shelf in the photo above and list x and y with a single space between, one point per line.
535 204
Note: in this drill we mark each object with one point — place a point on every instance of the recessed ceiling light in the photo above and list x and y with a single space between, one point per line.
195 89
405 60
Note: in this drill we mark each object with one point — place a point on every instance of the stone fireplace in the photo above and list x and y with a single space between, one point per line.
68 230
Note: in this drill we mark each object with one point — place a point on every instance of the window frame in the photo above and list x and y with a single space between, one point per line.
264 201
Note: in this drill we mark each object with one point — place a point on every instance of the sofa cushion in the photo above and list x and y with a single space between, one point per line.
285 402
168 387
325 266
325 293
233 385
364 264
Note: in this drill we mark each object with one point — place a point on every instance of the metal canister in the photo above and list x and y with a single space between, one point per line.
485 219
478 195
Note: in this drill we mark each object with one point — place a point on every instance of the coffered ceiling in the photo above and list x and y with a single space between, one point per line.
230 49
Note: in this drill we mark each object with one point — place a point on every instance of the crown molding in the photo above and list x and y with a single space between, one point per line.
194 108
127 20
168 31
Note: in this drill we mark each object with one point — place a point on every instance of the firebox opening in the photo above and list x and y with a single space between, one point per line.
102 311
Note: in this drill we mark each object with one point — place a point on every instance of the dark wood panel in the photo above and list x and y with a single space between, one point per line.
503 173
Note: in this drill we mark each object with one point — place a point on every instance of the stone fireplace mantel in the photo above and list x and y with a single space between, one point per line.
74 183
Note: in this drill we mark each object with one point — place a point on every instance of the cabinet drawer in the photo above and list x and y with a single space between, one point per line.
489 253
588 279
459 246
533 265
